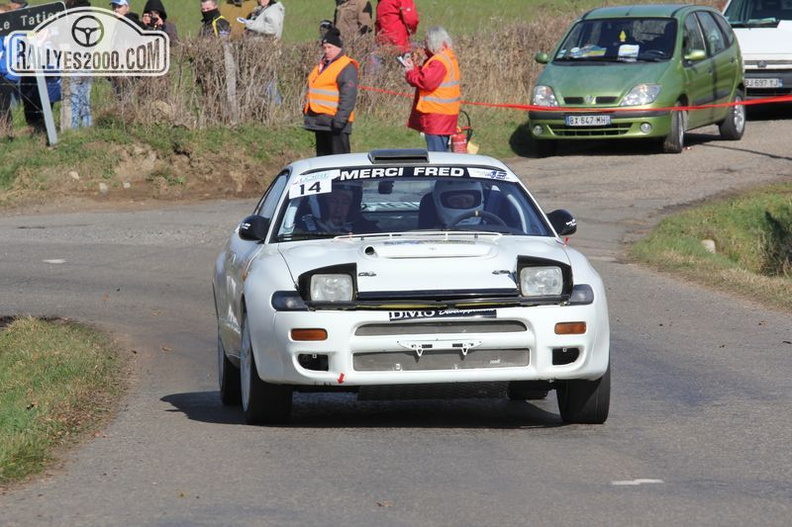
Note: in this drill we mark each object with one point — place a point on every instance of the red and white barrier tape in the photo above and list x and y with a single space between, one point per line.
528 107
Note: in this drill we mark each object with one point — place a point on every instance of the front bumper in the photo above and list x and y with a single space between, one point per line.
367 348
624 125
767 82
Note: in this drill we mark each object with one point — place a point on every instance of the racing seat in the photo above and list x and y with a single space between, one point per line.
427 213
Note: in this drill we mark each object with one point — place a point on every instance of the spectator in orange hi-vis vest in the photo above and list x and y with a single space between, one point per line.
397 21
332 93
437 101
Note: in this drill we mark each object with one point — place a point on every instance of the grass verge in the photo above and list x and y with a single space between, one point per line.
58 382
752 237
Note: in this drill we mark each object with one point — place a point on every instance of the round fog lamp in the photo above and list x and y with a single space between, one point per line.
646 128
537 130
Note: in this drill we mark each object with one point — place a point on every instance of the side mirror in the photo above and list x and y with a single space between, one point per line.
696 55
563 222
542 57
254 228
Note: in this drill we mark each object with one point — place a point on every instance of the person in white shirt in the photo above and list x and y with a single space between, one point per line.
266 19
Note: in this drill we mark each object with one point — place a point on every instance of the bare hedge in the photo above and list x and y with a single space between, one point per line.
214 83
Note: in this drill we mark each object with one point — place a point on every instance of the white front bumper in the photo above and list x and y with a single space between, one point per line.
277 355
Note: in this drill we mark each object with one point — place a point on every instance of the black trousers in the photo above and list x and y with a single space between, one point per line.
31 102
328 143
7 91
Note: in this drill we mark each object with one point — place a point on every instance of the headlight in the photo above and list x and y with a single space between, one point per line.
544 96
541 281
642 94
331 288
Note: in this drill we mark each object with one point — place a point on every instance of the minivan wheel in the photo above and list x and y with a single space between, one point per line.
733 127
545 147
674 143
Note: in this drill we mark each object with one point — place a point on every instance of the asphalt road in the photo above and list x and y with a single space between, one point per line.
701 413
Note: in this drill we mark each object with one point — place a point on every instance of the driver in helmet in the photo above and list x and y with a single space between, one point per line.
458 202
337 212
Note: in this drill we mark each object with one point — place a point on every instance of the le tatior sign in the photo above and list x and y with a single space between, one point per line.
30 17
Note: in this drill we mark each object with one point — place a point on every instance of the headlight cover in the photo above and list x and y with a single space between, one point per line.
544 96
334 284
287 301
582 294
541 281
332 288
641 94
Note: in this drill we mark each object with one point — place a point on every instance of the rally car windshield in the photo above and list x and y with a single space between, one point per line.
620 40
325 205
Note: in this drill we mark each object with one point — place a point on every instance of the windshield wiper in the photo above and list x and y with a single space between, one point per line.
308 236
586 59
757 22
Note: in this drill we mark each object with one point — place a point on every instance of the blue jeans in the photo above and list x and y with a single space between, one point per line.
437 143
80 98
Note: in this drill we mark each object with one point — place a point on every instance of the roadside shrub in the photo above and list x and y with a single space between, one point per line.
261 81
779 241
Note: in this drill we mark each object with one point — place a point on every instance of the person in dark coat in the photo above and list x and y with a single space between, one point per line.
213 24
332 93
155 17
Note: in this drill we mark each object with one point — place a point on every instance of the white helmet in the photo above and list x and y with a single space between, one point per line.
455 197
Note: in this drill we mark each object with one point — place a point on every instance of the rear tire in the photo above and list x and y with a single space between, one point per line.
263 403
584 402
230 391
674 143
733 127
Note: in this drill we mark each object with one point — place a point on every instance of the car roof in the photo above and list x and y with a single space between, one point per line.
394 157
641 11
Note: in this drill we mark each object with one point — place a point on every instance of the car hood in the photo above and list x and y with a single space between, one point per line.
600 79
425 262
766 43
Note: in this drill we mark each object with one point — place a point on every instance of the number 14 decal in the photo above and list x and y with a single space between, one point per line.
309 188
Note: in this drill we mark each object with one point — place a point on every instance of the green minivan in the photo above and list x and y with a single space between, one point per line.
642 71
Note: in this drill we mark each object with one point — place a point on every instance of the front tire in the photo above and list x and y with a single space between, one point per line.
527 390
733 127
584 402
674 143
263 403
228 375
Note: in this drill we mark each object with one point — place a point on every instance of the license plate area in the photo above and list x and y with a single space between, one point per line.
441 359
588 120
763 83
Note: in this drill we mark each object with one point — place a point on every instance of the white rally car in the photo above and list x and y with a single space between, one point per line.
403 272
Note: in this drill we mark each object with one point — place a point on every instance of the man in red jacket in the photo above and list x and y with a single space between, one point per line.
397 21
